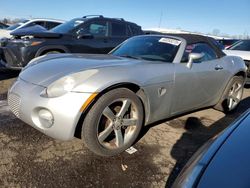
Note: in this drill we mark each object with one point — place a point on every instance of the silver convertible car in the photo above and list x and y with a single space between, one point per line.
106 99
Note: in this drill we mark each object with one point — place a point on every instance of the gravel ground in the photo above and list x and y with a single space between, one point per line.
31 159
6 79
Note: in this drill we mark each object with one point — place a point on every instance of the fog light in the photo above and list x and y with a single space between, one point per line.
46 118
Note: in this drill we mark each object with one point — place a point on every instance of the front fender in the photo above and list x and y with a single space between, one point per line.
51 47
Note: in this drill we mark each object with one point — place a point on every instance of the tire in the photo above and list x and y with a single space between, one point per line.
107 129
232 95
52 52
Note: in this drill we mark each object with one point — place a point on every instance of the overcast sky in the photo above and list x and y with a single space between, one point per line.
229 16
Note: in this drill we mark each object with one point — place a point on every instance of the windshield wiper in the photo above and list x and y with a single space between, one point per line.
130 56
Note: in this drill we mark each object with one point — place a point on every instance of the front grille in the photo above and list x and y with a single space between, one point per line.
1 54
14 102
3 42
9 57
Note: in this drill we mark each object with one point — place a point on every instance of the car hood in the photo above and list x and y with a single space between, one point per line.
46 69
37 32
243 54
231 160
4 33
28 31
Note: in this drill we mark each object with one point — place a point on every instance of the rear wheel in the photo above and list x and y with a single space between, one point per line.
113 123
232 95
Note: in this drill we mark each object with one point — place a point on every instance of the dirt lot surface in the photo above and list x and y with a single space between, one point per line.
6 79
30 159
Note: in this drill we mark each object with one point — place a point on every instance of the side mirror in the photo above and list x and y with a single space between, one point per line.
85 36
192 57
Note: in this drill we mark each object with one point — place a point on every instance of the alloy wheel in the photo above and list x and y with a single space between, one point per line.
117 124
234 96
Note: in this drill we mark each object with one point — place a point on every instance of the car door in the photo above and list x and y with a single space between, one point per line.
202 84
92 37
119 33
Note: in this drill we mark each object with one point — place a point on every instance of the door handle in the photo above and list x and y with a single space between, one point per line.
218 67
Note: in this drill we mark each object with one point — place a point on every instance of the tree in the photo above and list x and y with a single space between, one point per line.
5 20
216 32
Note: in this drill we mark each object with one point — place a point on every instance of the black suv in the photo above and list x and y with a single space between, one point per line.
89 34
3 26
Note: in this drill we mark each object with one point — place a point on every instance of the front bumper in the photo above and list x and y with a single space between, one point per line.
25 102
2 59
248 72
15 57
9 60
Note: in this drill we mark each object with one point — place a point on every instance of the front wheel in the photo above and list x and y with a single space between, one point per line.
113 123
52 52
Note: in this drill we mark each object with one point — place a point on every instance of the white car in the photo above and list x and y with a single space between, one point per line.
241 49
46 23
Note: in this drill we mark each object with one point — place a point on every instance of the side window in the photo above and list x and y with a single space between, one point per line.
95 28
118 29
134 30
41 23
243 45
50 25
209 53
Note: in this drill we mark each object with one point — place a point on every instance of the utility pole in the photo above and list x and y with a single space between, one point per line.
159 26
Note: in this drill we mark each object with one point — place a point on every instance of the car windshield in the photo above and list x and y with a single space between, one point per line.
68 26
152 48
243 45
12 27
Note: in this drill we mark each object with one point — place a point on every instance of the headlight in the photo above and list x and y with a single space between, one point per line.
60 87
27 42
67 84
32 43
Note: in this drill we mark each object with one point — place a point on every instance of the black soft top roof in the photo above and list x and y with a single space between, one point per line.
193 38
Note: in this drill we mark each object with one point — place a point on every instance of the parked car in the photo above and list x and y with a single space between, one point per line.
241 49
46 23
3 26
220 45
89 34
226 43
222 162
108 98
18 33
151 32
